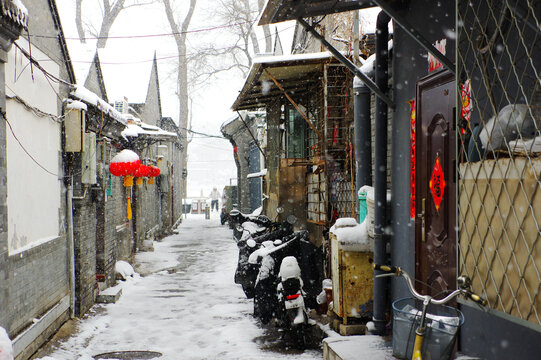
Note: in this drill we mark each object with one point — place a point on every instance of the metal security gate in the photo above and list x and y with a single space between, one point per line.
499 154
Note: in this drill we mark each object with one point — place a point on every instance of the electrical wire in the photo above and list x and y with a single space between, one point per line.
24 149
219 27
203 134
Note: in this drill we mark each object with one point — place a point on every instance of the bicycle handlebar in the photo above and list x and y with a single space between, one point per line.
476 298
386 268
397 271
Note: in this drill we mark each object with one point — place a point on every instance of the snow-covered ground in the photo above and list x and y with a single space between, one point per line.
187 307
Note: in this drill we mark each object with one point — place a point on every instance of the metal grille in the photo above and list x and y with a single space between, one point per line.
317 198
339 134
499 209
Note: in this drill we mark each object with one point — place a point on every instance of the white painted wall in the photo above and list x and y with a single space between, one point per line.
34 196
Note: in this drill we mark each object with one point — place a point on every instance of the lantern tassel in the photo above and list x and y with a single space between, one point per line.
129 208
139 181
128 181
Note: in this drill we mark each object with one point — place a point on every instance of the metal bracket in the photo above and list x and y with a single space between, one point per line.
408 28
347 63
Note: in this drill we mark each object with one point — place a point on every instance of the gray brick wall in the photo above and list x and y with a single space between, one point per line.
84 233
38 279
35 280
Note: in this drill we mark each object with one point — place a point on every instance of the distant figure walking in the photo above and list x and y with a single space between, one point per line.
214 196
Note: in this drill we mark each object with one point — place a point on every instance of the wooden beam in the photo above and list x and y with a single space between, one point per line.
294 104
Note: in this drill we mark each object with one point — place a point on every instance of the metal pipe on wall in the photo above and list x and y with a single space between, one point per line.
71 245
380 166
363 134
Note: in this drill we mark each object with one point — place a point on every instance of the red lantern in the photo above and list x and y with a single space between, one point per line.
154 171
141 171
124 163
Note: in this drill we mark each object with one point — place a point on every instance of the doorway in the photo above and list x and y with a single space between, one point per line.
435 205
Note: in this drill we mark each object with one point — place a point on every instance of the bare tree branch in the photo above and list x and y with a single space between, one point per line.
109 14
79 21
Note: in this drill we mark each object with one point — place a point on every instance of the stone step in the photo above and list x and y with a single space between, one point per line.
109 295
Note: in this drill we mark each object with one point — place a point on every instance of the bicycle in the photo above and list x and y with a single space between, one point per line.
464 285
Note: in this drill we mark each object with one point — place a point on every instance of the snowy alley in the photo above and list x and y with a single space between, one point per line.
184 305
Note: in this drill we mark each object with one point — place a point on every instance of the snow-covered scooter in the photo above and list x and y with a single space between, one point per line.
294 317
251 239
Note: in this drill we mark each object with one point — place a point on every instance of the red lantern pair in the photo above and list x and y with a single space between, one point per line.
146 171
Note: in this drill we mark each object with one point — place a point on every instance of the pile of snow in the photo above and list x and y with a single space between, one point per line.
352 236
6 349
124 270
344 222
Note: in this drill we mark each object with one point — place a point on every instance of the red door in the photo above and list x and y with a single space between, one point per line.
435 221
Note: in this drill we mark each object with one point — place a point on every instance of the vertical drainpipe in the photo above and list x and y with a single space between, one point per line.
380 168
363 134
71 242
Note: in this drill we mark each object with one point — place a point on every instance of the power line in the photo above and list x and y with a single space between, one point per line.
203 134
151 35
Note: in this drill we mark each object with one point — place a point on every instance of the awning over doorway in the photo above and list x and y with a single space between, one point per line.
295 73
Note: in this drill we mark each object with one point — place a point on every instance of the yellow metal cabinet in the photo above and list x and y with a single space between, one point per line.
352 279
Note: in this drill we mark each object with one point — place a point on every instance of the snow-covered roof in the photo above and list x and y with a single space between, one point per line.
289 70
81 93
134 126
292 57
134 130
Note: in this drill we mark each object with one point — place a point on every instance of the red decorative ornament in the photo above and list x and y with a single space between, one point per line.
437 184
413 117
142 171
154 171
124 163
